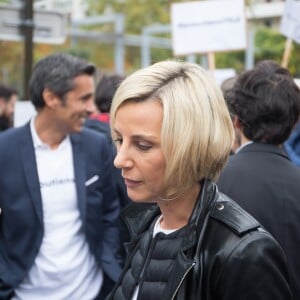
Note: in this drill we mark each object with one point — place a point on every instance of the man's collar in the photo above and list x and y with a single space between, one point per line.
37 142
242 146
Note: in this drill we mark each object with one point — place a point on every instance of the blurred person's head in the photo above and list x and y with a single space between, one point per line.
8 99
226 88
105 91
172 129
62 89
227 85
265 103
56 73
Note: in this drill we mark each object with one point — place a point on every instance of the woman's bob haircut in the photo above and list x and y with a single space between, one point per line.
197 132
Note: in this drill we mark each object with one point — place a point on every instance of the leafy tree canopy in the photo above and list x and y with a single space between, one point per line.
269 43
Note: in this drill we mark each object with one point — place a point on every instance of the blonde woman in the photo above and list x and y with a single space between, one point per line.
188 241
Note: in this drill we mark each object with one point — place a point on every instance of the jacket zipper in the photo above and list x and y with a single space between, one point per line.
183 277
147 260
127 225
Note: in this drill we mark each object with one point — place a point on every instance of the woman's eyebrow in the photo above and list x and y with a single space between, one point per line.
138 136
143 136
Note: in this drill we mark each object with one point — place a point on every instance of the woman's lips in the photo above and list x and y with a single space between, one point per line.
131 183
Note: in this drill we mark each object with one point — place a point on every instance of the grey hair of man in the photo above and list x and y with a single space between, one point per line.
56 72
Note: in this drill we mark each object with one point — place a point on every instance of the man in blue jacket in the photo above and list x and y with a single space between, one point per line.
58 234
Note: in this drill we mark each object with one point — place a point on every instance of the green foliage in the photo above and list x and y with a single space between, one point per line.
139 13
233 60
271 44
11 70
294 64
84 53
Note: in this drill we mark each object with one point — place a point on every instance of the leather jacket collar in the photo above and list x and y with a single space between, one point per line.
139 216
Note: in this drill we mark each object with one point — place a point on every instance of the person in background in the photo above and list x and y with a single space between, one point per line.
292 144
265 105
8 98
99 121
105 91
226 87
173 134
58 233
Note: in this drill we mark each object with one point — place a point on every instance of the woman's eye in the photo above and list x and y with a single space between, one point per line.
118 141
143 146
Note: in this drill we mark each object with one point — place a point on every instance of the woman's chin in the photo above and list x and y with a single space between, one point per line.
140 198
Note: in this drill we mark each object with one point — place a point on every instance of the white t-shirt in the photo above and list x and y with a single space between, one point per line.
64 268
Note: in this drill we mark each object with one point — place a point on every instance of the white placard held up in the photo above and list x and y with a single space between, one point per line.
24 110
208 26
290 22
220 75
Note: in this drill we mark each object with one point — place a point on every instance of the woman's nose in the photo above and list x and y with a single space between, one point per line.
122 159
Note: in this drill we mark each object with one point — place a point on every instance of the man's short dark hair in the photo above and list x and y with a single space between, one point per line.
105 91
56 72
266 100
6 92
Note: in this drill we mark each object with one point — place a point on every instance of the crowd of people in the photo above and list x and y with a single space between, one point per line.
156 185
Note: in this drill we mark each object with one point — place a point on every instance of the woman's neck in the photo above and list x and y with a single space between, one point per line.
176 213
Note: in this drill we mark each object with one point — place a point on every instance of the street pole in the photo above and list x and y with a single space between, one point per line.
27 28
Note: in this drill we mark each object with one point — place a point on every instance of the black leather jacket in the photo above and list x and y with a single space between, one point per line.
224 254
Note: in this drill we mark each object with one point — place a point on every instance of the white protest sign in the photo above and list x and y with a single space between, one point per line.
24 110
297 81
290 22
208 26
220 75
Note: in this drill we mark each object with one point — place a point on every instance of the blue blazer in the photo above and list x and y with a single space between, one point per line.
21 220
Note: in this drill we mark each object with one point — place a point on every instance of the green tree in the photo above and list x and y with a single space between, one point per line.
270 44
138 14
11 70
